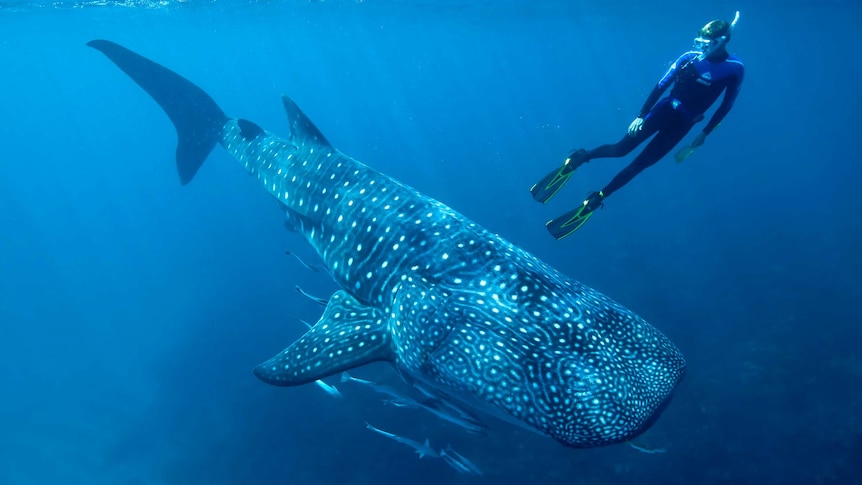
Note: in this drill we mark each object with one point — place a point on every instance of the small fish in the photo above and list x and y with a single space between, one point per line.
440 400
319 301
457 461
313 267
378 388
423 449
443 410
434 406
644 449
401 403
331 390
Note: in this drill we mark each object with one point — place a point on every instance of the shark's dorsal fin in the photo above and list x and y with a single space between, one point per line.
302 129
348 335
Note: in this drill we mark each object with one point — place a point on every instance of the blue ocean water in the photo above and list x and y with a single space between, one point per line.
132 309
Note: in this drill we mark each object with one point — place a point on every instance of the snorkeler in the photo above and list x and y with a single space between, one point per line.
698 77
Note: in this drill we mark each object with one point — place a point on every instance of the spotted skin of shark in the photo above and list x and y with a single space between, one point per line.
449 304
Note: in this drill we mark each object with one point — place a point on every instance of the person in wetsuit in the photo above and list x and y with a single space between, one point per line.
698 77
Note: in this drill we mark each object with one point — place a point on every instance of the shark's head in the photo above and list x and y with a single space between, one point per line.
555 356
616 383
605 376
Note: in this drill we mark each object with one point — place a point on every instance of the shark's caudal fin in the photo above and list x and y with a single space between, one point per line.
348 335
197 118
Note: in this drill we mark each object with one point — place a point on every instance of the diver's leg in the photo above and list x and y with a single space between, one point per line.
550 184
657 148
618 149
653 122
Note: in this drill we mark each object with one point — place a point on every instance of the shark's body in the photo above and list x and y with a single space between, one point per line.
455 308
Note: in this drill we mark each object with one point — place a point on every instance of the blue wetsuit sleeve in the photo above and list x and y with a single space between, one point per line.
664 82
650 102
730 95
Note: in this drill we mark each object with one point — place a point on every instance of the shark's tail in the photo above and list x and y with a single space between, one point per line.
197 118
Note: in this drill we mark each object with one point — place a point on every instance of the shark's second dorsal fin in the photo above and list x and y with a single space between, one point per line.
348 335
301 127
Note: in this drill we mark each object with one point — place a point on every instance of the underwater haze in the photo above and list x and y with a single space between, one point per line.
133 309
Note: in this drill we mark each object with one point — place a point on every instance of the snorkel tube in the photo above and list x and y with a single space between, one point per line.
717 43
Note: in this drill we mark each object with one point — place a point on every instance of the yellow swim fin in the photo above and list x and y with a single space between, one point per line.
554 181
571 221
684 153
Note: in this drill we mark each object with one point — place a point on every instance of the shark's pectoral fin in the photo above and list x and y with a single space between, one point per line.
301 127
348 335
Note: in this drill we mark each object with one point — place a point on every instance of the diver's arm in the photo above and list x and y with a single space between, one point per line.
721 112
638 122
651 100
730 95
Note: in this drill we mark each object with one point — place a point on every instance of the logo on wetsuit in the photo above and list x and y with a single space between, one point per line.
705 79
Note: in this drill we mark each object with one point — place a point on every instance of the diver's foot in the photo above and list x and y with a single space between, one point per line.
571 221
557 178
576 159
594 201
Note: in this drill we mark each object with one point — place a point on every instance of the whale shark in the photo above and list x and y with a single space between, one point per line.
457 310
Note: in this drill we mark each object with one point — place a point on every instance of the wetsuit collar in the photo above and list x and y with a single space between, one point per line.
718 56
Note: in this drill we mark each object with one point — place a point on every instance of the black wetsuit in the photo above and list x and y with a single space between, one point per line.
696 85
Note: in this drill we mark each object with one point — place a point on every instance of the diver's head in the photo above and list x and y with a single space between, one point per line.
712 38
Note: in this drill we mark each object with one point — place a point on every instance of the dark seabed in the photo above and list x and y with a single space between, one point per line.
133 309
